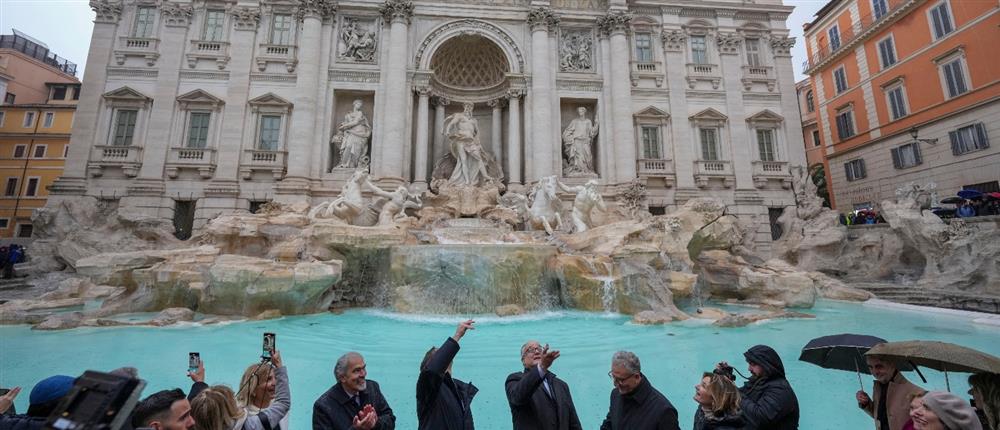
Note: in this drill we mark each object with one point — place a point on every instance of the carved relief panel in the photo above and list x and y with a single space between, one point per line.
357 41
576 50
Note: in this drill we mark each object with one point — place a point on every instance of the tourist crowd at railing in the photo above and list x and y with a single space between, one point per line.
963 209
537 398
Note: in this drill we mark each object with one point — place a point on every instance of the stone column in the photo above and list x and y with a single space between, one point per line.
388 152
496 145
615 25
234 123
540 20
420 162
739 141
794 146
74 177
302 128
606 155
684 153
514 139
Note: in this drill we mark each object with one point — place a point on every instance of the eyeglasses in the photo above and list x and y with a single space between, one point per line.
533 350
620 380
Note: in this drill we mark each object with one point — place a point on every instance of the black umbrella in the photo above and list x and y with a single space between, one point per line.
842 352
952 200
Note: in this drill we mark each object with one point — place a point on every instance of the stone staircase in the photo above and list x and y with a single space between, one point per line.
913 295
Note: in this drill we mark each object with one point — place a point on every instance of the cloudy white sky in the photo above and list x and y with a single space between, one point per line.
65 25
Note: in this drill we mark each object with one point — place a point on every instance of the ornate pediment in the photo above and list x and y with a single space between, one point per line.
765 116
270 102
126 94
199 97
709 115
652 112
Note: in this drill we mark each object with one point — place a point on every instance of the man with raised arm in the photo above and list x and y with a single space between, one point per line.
443 402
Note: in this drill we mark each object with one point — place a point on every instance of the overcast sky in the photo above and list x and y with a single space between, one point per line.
65 26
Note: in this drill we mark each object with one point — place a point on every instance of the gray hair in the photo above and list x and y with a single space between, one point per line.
524 348
340 369
628 360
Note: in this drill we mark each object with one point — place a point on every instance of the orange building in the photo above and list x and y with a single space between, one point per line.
906 91
36 117
810 128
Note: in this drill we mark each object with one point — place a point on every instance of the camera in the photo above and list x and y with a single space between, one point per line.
725 370
269 344
194 361
97 401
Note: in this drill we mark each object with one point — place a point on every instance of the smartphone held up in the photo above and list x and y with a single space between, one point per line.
269 345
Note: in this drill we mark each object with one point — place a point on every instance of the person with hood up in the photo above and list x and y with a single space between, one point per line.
443 402
891 406
768 402
718 403
635 404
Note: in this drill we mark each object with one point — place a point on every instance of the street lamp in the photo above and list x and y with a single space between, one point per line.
913 134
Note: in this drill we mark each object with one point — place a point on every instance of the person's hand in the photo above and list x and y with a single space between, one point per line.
463 327
199 375
548 357
863 399
276 358
7 400
366 418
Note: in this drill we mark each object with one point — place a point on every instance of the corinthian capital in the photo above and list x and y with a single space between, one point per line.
321 9
729 43
176 14
246 18
107 12
674 40
542 18
782 45
614 22
396 10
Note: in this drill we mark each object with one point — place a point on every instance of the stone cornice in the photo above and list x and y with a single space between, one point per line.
614 22
321 9
396 10
176 14
245 18
542 18
107 12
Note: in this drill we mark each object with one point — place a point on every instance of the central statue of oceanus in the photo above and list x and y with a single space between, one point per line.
467 162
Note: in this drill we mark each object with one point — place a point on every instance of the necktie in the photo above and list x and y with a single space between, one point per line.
357 400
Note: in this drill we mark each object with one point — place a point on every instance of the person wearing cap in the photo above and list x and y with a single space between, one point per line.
944 411
768 399
42 400
891 406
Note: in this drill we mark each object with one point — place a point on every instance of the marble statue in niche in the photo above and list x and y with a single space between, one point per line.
575 52
578 159
471 160
352 138
358 41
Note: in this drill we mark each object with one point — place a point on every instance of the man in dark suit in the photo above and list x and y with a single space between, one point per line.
443 402
635 404
354 403
538 399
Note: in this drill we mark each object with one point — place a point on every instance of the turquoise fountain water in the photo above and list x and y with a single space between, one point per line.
673 356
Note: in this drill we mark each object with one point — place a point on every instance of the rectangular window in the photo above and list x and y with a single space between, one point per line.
281 30
968 139
4 223
816 141
699 50
76 93
24 230
20 151
879 9
10 188
897 103
941 20
765 145
810 102
214 20
855 169
270 127
124 128
8 99
906 156
651 142
840 79
49 119
954 78
198 130
29 119
643 48
834 33
709 144
31 189
59 93
145 18
753 52
887 52
845 124
39 151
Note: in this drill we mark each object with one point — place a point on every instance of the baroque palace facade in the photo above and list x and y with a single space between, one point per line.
210 106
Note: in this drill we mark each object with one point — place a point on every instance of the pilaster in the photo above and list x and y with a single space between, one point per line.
739 141
541 20
241 44
615 25
390 148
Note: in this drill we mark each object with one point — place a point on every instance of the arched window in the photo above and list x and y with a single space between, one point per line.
810 105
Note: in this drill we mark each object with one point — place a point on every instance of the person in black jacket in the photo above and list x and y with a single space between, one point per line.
354 403
635 404
768 402
538 399
444 403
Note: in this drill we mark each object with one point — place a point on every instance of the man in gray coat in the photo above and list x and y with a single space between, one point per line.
538 399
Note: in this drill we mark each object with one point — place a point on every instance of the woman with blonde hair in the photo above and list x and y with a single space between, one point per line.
718 401
261 403
214 408
986 393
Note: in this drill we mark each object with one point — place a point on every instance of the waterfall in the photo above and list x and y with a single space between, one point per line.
608 294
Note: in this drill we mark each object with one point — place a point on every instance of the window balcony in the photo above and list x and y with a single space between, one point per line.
766 171
656 168
703 72
707 170
127 158
649 70
144 47
200 159
761 74
268 53
272 162
208 50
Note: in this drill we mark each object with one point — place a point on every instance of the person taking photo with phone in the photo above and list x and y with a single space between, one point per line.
262 402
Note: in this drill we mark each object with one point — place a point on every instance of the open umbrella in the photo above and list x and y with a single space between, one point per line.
842 352
954 200
970 194
943 356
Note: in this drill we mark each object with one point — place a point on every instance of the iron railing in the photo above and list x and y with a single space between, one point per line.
37 52
848 35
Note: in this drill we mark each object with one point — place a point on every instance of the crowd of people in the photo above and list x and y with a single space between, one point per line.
863 216
9 256
538 399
